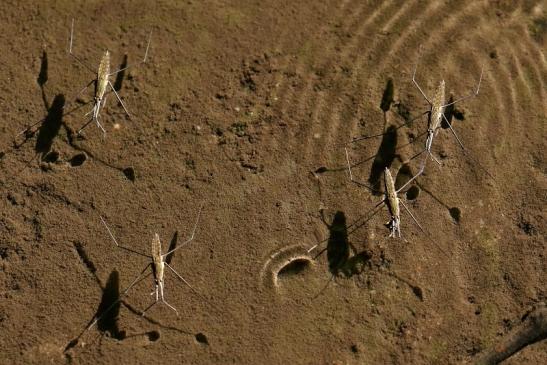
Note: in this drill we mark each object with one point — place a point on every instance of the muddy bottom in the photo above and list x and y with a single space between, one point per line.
245 107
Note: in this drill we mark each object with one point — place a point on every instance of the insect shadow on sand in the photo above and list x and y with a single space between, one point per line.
384 158
110 299
121 75
108 310
339 258
387 151
47 132
338 246
50 127
172 246
387 99
111 295
339 250
451 112
43 74
403 176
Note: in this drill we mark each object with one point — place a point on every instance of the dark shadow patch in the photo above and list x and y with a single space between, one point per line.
403 111
71 345
526 226
387 97
458 114
130 174
451 112
384 158
321 170
43 75
247 78
403 176
338 248
294 267
412 193
50 126
418 292
110 301
357 263
455 213
78 160
51 157
448 113
118 83
338 251
201 338
172 246
153 336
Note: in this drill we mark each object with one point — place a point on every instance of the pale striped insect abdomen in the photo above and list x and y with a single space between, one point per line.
437 108
102 76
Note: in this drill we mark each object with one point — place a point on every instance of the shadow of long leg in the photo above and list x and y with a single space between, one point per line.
139 278
113 305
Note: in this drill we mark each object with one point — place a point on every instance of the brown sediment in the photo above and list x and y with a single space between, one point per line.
237 102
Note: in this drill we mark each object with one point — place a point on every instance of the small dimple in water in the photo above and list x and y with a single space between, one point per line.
290 260
201 338
455 213
293 267
78 160
413 192
153 336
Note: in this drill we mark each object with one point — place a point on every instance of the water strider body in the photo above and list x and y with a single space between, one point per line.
158 269
158 264
102 83
436 115
392 202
